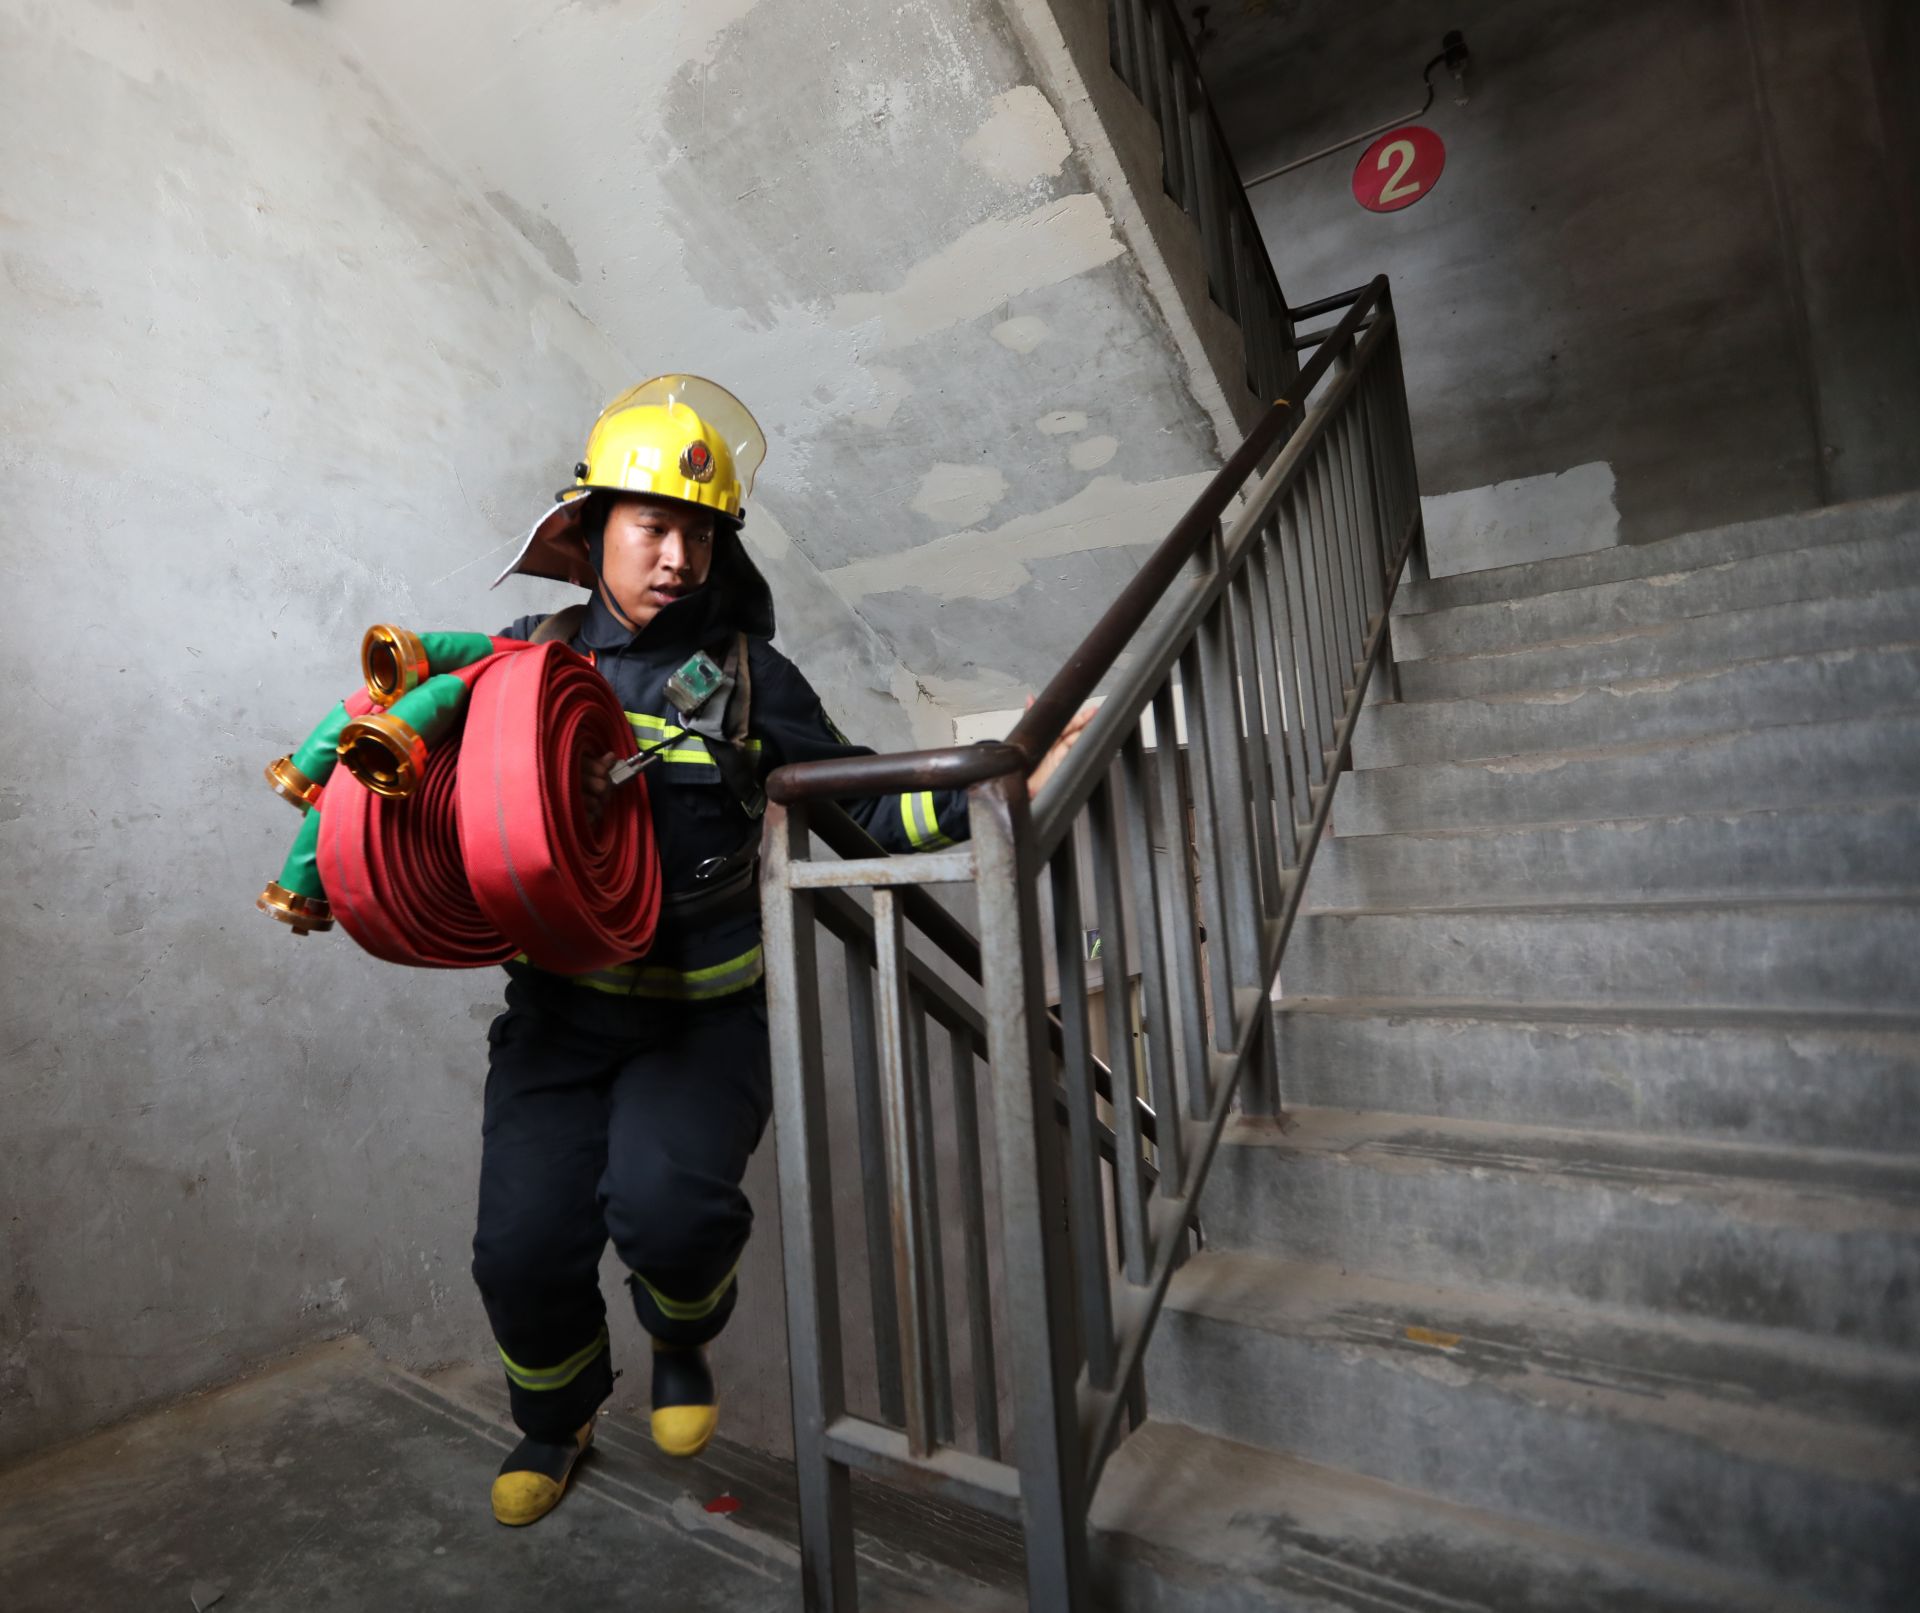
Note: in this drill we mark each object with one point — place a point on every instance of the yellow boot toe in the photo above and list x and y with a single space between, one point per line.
520 1498
684 1430
523 1493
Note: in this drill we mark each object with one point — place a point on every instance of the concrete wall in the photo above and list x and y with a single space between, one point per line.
271 372
1664 253
871 220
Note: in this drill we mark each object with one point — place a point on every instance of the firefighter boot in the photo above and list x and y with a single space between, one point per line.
534 1477
686 1407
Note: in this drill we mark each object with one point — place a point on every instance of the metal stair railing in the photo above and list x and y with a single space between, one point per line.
1235 663
1151 54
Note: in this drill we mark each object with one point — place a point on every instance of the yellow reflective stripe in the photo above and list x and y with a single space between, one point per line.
688 1310
683 985
921 819
657 728
559 1377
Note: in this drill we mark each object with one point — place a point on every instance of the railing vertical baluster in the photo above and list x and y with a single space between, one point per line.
814 1366
1115 980
1038 1257
1291 667
1360 479
932 1253
973 1212
1209 213
1176 819
1214 874
1091 1266
897 1106
1156 1022
1185 137
1333 513
1261 796
1120 44
1355 508
1315 596
1233 832
1281 715
870 1128
1340 597
1373 469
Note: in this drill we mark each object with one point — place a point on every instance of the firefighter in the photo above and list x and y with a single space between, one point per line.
623 1105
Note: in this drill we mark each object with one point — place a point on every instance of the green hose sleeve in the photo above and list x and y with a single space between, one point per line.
300 874
449 652
320 749
434 709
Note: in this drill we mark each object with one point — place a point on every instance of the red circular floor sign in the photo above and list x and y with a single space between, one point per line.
1398 169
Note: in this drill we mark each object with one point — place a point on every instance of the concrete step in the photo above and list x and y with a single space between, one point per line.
1797 1465
1812 1080
1805 764
1747 694
1792 576
1855 953
1672 648
1817 1242
1896 515
1189 1521
1843 849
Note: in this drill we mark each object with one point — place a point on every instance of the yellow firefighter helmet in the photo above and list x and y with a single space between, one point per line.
676 436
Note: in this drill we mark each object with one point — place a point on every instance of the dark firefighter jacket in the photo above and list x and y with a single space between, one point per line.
695 814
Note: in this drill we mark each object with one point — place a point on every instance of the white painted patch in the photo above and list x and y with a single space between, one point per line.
1021 335
1022 139
1060 423
1529 518
1093 453
890 391
959 495
1108 513
992 262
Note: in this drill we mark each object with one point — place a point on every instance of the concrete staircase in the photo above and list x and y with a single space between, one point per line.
1584 1269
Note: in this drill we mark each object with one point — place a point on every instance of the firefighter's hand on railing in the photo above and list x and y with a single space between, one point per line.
1057 751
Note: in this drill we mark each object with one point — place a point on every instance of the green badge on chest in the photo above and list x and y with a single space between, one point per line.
693 685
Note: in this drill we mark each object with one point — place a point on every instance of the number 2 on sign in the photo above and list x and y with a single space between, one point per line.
1396 187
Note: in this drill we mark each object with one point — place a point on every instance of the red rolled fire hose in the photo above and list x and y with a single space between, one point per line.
494 854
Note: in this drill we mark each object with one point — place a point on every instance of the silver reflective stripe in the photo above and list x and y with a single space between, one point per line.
921 819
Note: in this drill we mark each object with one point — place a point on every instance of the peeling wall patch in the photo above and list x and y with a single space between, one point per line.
1021 335
992 262
1108 513
1022 139
959 495
1093 452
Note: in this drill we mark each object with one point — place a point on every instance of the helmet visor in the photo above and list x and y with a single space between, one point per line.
714 404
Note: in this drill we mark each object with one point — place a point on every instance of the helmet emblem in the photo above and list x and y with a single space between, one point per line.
696 463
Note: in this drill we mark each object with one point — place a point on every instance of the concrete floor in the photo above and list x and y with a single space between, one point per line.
338 1483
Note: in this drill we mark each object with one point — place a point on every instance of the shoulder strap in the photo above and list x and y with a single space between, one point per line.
561 625
726 737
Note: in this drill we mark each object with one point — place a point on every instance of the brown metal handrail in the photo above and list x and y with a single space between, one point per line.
957 766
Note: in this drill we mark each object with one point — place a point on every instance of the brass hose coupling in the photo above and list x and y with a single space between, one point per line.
290 784
393 661
302 914
384 753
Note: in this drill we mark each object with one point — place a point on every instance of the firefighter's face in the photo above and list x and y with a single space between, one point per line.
655 551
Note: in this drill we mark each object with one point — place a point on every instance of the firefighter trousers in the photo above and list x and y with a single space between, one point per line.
643 1142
